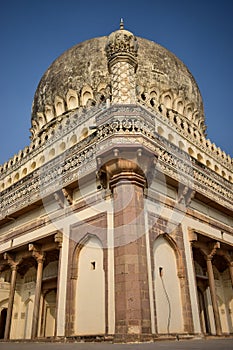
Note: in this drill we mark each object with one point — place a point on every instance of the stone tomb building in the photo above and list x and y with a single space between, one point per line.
116 220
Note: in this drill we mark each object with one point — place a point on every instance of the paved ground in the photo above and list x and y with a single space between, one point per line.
213 344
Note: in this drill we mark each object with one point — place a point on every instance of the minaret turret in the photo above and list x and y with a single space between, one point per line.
121 50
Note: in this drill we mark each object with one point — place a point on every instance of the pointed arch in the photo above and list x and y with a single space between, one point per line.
73 140
167 99
35 126
178 105
89 307
167 266
176 250
49 313
49 113
72 99
195 117
41 119
59 105
77 250
153 96
102 87
188 111
4 303
87 94
28 311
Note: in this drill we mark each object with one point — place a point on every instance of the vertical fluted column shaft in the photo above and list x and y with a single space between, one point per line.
11 301
40 260
213 295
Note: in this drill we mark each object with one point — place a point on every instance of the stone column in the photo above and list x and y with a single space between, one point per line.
133 320
127 181
231 272
58 238
213 294
14 268
39 256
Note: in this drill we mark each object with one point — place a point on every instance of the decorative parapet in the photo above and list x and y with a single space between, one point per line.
130 125
69 121
48 179
185 128
172 161
61 128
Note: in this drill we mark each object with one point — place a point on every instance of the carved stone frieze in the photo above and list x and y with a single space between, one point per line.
125 125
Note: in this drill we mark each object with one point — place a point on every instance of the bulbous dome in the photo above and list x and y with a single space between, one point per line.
80 77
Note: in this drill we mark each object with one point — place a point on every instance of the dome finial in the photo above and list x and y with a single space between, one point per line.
121 24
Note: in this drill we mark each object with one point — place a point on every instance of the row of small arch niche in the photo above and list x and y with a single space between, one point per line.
87 96
197 156
208 144
201 159
167 100
73 101
35 164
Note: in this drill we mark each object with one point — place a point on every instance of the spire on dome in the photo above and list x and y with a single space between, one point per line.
121 43
121 24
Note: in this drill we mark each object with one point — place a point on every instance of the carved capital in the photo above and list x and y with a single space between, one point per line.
185 195
212 250
68 195
192 235
134 164
11 261
229 257
58 238
37 253
127 177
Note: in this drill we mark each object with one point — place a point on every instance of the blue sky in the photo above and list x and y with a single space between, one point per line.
34 33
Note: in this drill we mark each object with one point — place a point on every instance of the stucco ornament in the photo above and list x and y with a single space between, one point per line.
121 41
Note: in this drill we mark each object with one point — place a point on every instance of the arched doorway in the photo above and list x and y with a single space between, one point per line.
214 293
49 314
28 307
3 315
204 318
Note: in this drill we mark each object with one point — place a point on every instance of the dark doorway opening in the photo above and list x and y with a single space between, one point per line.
203 312
2 322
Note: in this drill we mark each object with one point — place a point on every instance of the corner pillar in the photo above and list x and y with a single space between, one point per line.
127 172
133 319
